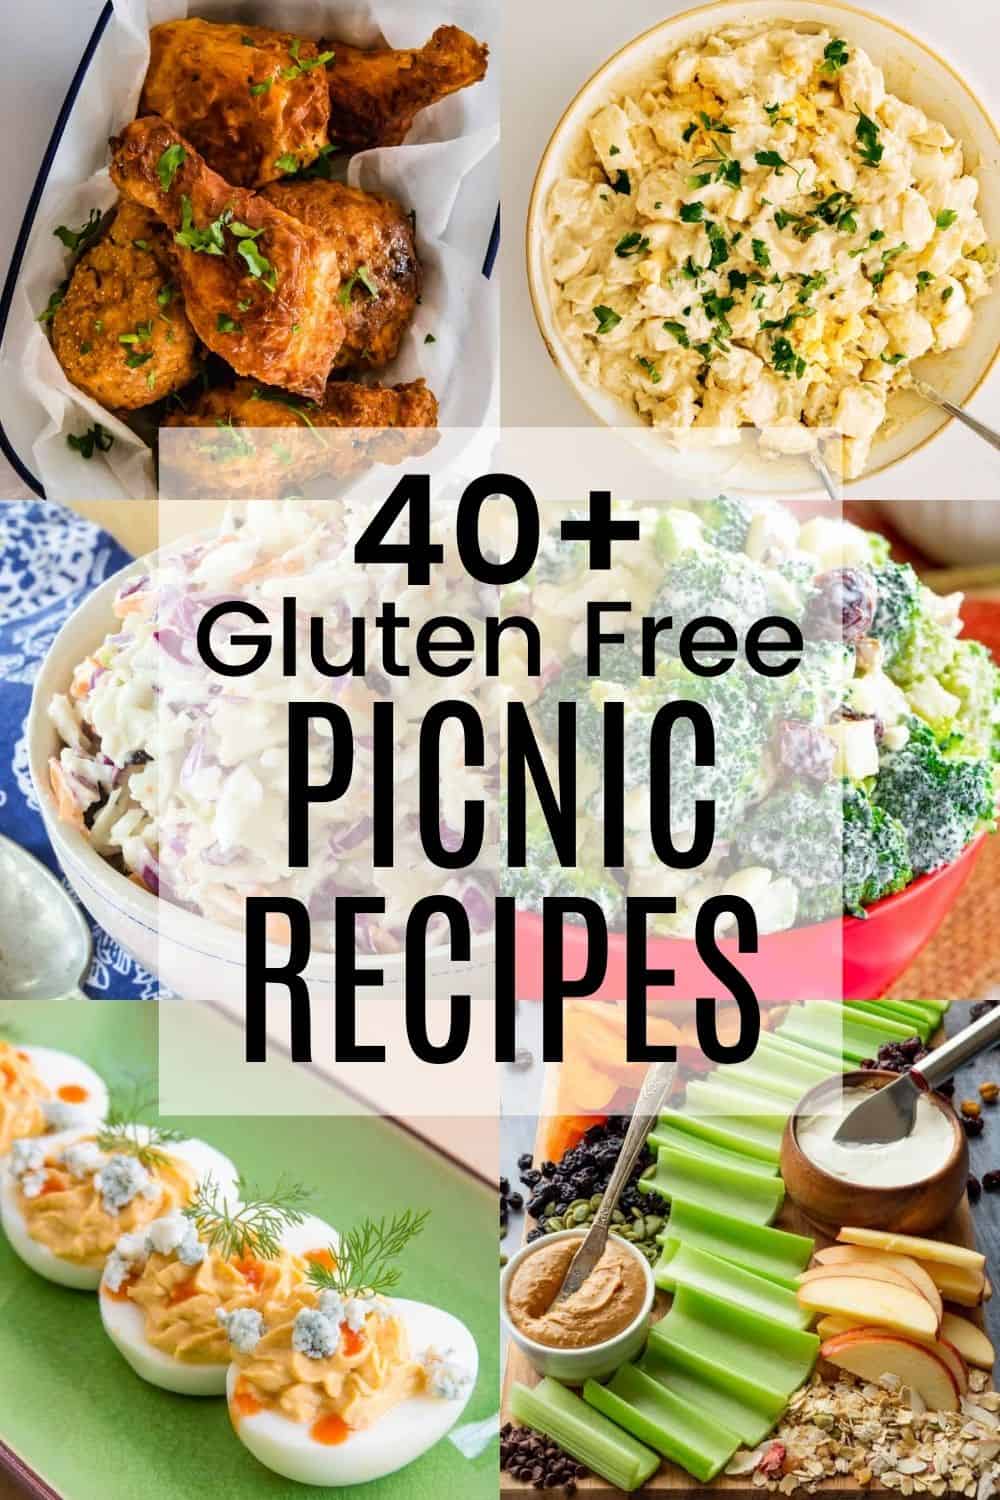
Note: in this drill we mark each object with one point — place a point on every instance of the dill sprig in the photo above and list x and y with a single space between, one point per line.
125 1133
362 1263
254 1225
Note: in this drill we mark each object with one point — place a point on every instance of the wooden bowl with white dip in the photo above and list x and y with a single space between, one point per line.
910 1186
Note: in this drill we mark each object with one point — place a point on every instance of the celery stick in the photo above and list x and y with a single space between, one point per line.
795 1048
726 1338
666 1134
717 1094
685 1265
767 1252
840 1030
815 1065
662 1363
920 1017
585 1434
749 1137
762 1407
664 1421
749 1195
779 1076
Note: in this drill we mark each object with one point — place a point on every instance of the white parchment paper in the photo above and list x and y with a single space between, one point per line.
448 172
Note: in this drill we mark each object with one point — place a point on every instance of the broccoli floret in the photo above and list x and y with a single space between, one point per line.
928 647
712 582
545 877
796 832
879 547
876 854
819 903
896 612
557 561
618 664
973 677
726 522
941 799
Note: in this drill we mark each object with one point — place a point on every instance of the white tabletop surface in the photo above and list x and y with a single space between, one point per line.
549 55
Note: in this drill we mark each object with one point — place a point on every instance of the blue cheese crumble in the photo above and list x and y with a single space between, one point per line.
26 1156
244 1328
122 1179
314 1334
175 1235
62 1116
32 1183
446 1378
82 1159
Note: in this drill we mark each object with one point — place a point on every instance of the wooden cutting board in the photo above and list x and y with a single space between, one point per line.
670 1477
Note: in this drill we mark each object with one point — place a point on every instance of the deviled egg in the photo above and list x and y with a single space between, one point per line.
334 1385
175 1293
43 1091
65 1202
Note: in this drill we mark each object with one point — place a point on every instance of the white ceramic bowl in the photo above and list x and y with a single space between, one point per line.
913 71
949 531
195 958
574 1366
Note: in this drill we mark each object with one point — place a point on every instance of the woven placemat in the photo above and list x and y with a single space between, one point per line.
962 960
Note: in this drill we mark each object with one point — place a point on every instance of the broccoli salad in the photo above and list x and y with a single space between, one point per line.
870 765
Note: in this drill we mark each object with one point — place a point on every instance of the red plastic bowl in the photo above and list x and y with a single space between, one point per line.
853 959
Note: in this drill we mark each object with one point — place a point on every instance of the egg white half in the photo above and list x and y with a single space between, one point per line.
59 1069
125 1325
204 1159
402 1435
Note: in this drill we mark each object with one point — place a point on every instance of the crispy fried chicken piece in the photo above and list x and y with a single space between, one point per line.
376 95
226 89
260 287
379 270
121 333
352 427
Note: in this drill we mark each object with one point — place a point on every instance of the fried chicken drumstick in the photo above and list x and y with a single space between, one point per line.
379 270
376 95
250 450
260 287
253 102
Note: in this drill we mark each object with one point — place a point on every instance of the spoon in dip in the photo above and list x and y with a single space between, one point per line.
45 944
887 1114
655 1087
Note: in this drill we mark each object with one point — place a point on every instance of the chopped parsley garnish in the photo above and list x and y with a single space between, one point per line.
835 56
169 164
789 320
717 241
649 367
248 41
79 239
142 245
770 159
134 360
606 317
949 291
364 276
679 332
429 338
785 360
207 241
301 65
803 226
812 284
633 244
142 335
692 213
244 304
622 184
869 148
321 167
277 398
225 324
873 239
95 439
614 151
715 126
760 255
924 278
887 257
262 87
775 117
717 307
892 359
54 303
946 218
737 281
689 130
837 208
289 162
699 180
86 346
166 294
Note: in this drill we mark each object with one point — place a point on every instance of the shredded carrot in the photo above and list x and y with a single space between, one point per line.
277 568
134 604
66 804
80 686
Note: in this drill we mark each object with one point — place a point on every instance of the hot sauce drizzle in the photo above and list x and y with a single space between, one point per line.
330 1429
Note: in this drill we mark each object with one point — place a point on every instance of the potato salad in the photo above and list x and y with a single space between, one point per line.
757 233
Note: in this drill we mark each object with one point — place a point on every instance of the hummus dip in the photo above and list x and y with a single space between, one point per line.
609 1300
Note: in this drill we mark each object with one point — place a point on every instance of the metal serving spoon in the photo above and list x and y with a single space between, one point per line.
655 1088
888 1113
45 944
958 412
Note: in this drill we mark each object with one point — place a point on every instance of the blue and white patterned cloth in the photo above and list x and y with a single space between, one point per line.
50 560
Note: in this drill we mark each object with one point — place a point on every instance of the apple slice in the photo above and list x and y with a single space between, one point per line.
911 1244
829 1327
870 1299
876 1271
970 1341
958 1283
838 1255
945 1349
871 1353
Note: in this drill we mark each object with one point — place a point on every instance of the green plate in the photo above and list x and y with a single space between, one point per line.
72 1412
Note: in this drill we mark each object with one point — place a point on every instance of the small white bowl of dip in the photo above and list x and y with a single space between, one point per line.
909 1186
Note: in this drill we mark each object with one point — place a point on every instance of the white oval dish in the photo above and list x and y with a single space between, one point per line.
914 72
57 1070
82 1278
396 1439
